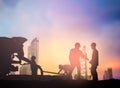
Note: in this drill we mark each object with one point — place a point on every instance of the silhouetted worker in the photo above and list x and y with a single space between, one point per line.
34 66
66 68
94 61
74 57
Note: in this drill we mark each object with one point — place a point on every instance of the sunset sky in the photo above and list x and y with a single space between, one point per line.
59 24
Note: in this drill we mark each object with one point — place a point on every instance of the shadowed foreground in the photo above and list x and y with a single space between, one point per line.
55 82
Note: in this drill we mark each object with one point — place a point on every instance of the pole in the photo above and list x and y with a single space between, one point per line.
51 72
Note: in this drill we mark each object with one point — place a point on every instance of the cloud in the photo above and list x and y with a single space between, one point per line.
60 19
10 3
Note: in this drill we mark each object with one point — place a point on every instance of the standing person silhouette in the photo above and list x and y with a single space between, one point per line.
74 58
34 66
94 61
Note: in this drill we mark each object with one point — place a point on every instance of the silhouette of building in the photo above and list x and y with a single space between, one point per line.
108 74
33 50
